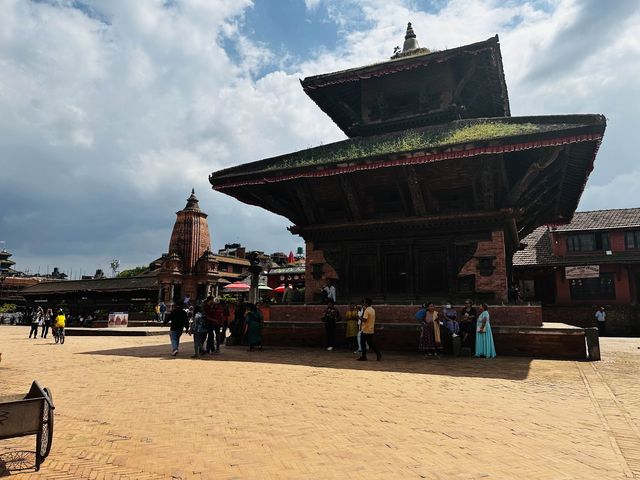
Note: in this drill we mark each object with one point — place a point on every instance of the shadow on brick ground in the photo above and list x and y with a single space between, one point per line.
510 368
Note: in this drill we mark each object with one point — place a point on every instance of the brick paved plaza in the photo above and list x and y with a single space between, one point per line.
125 409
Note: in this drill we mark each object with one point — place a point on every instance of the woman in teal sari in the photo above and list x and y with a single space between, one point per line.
484 338
254 327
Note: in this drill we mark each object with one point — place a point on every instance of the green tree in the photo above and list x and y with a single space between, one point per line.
8 308
132 272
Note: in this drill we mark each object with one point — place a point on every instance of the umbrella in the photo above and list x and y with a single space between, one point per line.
237 287
264 287
280 289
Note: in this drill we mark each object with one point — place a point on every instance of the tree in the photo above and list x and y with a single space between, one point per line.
8 308
132 272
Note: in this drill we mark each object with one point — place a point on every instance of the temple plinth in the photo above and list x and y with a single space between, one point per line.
436 185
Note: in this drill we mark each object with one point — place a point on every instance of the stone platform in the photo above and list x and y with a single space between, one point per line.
518 330
115 332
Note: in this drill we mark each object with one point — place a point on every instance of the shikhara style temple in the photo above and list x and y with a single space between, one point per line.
437 183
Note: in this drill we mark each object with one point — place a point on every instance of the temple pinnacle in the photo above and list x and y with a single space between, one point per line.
410 40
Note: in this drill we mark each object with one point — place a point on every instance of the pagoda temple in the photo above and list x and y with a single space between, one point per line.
436 185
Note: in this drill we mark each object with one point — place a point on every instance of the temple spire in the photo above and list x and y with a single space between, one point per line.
410 40
192 201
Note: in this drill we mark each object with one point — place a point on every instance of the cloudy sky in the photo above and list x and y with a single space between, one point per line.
112 110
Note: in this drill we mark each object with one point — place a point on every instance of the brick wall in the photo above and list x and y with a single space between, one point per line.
500 314
513 341
497 282
313 286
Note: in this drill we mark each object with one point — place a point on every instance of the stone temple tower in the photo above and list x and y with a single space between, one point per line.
190 268
190 237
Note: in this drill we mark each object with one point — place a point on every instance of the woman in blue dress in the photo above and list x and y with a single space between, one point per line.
484 337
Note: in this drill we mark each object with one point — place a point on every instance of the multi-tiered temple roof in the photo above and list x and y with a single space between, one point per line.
433 157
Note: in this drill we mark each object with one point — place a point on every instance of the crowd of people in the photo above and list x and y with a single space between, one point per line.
466 331
447 331
44 321
210 325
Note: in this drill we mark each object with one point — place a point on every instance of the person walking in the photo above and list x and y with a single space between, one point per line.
254 327
48 321
601 321
330 318
36 318
199 331
368 330
178 322
484 338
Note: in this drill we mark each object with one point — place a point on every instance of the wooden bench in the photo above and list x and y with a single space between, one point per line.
31 415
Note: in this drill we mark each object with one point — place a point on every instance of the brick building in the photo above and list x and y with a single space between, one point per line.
593 259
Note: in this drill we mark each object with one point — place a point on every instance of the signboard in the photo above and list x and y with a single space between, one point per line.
118 319
582 271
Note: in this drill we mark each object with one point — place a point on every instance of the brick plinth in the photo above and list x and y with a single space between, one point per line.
521 315
566 343
518 330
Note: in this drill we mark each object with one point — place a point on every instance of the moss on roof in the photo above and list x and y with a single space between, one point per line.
410 140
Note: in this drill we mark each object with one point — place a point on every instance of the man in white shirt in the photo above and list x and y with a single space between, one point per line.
601 321
330 291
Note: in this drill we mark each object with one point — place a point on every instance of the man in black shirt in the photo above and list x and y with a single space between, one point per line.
178 321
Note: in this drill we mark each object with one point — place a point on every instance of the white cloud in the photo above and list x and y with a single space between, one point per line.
137 102
621 192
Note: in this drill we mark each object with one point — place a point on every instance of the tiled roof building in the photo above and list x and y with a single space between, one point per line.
595 257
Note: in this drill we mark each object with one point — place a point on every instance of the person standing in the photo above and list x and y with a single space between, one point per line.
430 341
218 320
287 296
601 321
254 327
210 324
359 336
368 329
468 326
351 330
178 322
451 326
238 323
484 338
330 291
330 318
36 318
163 311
